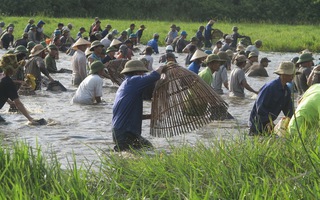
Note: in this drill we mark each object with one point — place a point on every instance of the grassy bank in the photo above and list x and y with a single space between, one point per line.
250 168
275 37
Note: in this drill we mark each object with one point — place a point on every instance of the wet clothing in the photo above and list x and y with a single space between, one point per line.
88 90
237 76
6 40
7 90
257 70
181 44
301 79
308 111
128 109
206 75
22 41
107 59
27 28
149 58
208 35
194 66
50 63
139 34
35 66
225 47
252 48
79 67
235 37
220 77
32 37
154 44
171 36
272 99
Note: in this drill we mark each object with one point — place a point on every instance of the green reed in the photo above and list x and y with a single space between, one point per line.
275 37
243 168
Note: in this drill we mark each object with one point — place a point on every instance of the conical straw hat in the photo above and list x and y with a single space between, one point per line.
198 54
79 42
183 102
115 42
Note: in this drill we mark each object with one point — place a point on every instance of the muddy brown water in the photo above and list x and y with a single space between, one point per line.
85 130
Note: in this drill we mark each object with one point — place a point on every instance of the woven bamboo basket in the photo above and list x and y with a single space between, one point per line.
183 102
216 34
114 68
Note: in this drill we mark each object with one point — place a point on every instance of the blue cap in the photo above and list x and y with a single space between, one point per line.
57 32
208 52
40 22
184 33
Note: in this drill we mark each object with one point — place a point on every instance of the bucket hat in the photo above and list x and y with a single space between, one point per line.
252 54
96 43
287 68
305 57
79 42
223 55
213 57
20 49
52 47
96 66
37 49
241 58
30 45
198 54
134 66
111 49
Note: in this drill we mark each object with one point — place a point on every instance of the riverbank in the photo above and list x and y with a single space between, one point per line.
275 37
244 168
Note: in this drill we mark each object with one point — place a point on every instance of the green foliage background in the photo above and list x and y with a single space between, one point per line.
280 11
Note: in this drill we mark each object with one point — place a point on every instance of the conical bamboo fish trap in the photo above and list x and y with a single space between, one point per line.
183 102
114 68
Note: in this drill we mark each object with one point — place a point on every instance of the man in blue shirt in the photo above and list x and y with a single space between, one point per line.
197 59
128 106
154 43
208 34
273 98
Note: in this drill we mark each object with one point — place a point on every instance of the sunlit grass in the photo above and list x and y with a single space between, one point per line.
275 37
246 168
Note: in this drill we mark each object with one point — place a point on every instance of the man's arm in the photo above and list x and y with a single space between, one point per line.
248 87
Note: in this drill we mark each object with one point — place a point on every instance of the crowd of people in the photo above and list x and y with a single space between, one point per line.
35 54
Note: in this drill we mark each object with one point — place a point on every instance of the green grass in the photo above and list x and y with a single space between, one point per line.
247 168
275 37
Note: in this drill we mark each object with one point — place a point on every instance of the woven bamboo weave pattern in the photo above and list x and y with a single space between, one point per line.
183 102
114 68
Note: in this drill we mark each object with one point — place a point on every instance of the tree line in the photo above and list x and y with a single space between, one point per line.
275 11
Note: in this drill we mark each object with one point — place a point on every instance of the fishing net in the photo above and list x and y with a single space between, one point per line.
183 102
216 34
114 68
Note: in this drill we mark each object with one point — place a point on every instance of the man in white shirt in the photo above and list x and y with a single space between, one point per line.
90 89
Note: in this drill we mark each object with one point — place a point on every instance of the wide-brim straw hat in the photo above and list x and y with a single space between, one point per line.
115 42
286 68
134 66
88 52
240 47
96 43
36 50
198 54
212 58
80 42
96 66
